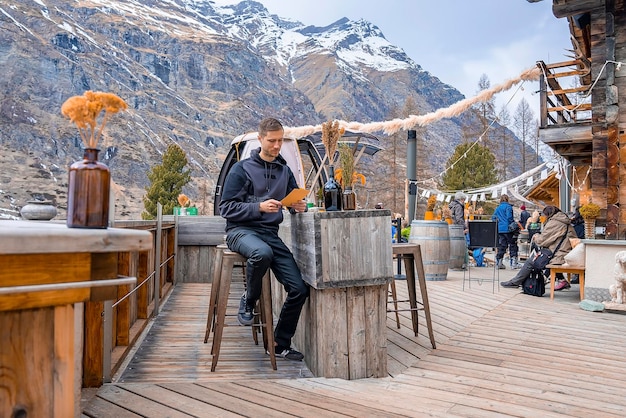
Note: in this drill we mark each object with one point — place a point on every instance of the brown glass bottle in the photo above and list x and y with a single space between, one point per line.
332 192
88 192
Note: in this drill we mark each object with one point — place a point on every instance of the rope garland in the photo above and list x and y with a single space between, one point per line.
394 125
454 110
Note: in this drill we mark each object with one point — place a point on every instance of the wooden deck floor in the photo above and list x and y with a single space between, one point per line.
498 354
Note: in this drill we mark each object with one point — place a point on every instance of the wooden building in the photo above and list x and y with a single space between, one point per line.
585 124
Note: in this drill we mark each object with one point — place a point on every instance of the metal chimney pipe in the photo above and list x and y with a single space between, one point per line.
411 165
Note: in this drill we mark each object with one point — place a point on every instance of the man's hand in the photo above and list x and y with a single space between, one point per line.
271 206
299 206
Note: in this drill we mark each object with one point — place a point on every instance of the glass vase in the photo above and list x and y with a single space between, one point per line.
348 199
332 192
590 229
88 192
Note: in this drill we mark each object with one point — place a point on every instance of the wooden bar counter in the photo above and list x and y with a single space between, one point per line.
346 258
45 268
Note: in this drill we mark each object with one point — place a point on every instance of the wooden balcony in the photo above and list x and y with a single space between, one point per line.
565 112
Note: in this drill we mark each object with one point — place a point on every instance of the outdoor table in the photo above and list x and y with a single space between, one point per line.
45 268
346 258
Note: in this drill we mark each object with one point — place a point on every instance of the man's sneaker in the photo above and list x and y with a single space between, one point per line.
509 284
288 353
245 316
561 284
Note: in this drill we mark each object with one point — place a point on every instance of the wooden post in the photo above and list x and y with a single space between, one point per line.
142 293
543 101
157 260
94 342
122 319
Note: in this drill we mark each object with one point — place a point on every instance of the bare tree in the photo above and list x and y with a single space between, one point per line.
525 127
391 163
505 139
486 112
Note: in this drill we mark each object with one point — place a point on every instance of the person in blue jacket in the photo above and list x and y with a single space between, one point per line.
504 216
251 204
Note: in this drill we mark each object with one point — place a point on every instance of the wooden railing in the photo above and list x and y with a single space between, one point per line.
113 323
558 105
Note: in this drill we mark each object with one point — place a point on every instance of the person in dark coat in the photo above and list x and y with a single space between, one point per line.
523 216
457 208
506 239
578 223
251 204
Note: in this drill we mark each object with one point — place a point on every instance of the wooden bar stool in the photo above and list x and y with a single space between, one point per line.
412 256
569 270
215 285
218 301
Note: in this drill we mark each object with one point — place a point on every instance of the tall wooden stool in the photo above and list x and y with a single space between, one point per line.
412 256
218 301
569 270
215 285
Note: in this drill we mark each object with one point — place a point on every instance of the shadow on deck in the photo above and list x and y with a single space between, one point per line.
498 354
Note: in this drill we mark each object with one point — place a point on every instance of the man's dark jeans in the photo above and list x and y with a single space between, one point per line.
506 240
264 249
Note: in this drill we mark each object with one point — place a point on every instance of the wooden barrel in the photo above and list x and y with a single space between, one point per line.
457 246
434 240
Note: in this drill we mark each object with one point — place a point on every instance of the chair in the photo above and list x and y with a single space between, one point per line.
569 270
222 276
412 256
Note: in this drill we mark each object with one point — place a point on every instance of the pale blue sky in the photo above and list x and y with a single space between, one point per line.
455 40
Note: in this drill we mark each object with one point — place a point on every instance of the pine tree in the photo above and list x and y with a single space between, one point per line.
166 182
470 167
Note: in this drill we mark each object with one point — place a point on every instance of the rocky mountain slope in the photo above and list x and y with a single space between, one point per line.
192 73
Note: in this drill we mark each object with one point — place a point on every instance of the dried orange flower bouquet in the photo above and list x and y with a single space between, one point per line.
85 110
183 200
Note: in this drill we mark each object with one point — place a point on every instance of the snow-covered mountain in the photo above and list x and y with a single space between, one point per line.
194 73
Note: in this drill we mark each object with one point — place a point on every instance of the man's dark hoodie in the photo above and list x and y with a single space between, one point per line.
250 182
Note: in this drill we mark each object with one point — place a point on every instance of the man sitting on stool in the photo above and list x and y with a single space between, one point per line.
251 205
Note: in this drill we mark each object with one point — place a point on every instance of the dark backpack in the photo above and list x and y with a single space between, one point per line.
535 284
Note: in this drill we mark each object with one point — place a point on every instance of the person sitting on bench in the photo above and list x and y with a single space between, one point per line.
557 226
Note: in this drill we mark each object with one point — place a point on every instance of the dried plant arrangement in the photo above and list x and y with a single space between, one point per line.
347 175
430 204
589 211
183 200
331 132
86 110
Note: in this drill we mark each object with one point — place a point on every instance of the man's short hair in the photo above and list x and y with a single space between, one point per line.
460 196
269 125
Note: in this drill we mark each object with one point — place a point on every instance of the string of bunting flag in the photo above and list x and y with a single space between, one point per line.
511 186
